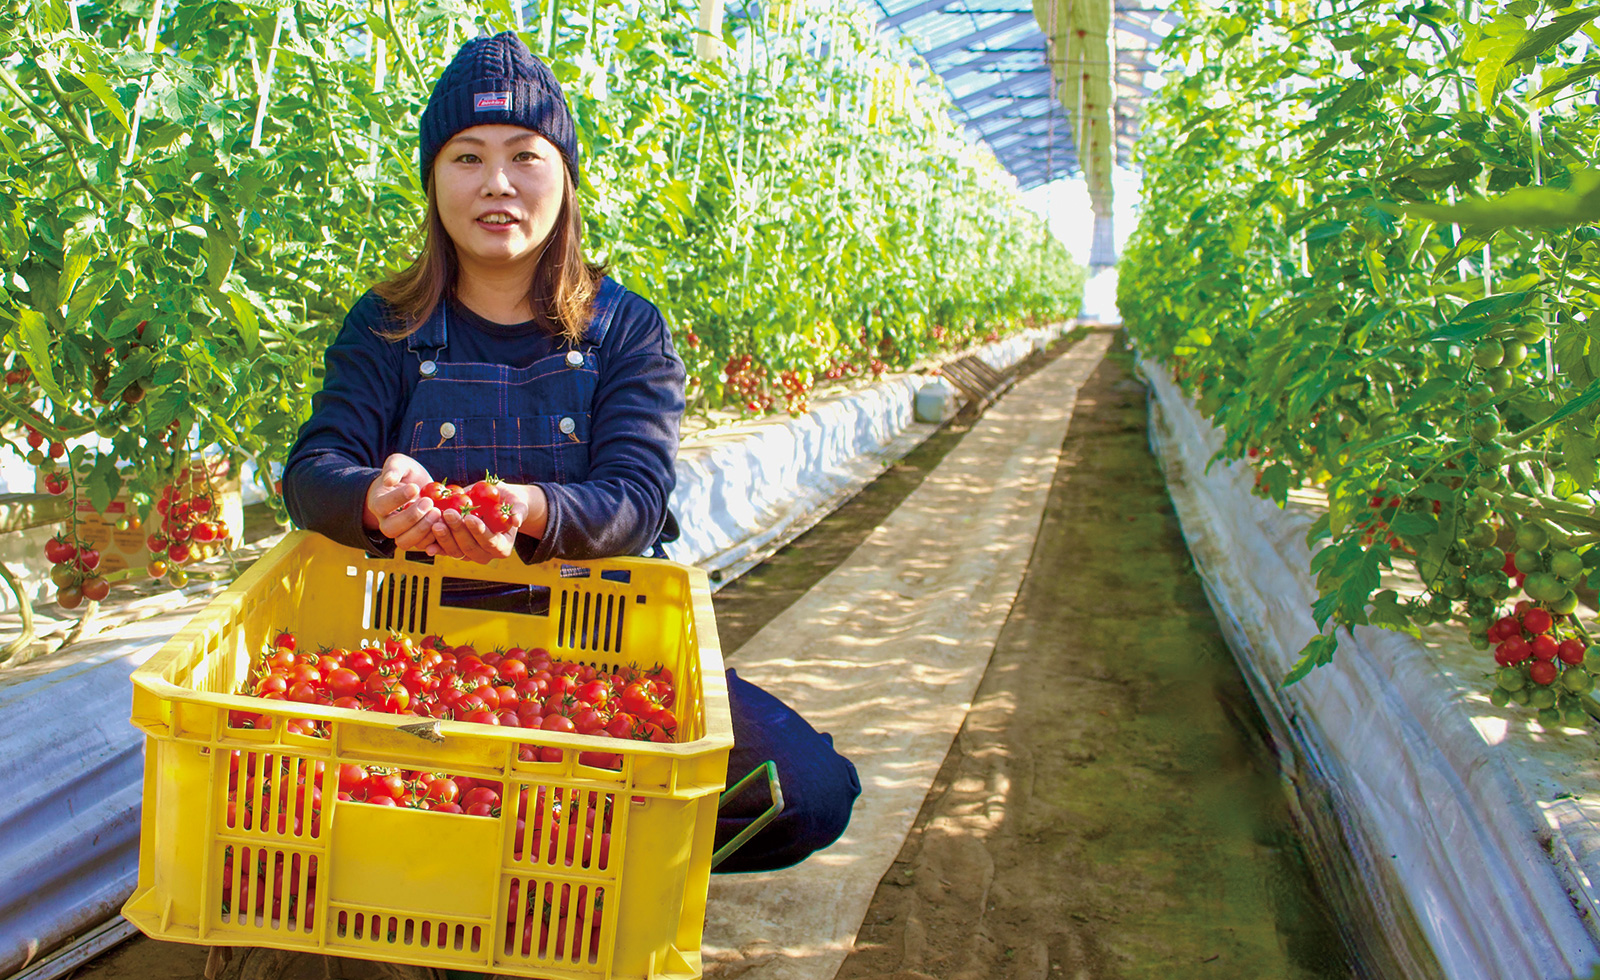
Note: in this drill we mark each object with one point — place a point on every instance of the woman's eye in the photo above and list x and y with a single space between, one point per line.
467 158
526 156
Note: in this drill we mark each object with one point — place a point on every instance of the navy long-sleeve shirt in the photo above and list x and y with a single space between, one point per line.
618 508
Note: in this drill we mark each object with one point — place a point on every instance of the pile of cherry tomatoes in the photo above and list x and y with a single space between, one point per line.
519 687
482 499
516 688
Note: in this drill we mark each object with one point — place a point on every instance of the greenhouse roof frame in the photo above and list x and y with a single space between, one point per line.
998 59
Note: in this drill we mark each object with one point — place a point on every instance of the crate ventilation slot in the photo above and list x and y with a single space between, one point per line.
554 922
378 928
591 621
396 602
269 888
273 796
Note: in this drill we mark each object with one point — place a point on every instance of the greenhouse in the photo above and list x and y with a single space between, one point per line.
799 490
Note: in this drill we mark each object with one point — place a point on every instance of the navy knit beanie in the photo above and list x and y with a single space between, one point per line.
497 80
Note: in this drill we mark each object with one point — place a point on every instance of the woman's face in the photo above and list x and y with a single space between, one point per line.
498 190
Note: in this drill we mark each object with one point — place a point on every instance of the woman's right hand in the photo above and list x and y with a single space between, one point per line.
396 508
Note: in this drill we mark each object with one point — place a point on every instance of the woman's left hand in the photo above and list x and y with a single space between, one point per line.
467 537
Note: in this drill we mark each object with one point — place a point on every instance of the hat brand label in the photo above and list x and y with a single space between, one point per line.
492 102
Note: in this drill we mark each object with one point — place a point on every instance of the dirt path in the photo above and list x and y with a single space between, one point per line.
1107 811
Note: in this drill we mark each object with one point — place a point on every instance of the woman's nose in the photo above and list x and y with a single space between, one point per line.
497 182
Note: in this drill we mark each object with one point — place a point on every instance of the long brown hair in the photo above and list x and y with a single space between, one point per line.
561 292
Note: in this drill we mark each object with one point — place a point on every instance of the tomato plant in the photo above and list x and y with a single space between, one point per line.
1371 262
198 192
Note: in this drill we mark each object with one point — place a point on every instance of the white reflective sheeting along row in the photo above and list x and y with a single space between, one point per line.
1456 839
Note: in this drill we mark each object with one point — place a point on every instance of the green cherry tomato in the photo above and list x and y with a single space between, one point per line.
1485 427
1543 587
1549 717
1500 379
1576 680
1479 395
1533 537
1515 353
1499 697
1488 354
1566 604
1566 565
1542 697
1510 678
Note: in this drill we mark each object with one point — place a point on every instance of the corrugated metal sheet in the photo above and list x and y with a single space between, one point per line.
69 820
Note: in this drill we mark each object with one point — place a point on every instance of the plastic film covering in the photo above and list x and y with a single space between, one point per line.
742 490
1453 837
69 827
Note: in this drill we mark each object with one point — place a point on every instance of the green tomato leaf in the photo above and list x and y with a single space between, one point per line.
244 315
1523 207
1387 612
1570 77
219 257
104 482
102 89
33 334
1313 655
72 268
1552 34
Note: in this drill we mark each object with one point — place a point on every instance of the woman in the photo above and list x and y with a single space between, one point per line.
501 351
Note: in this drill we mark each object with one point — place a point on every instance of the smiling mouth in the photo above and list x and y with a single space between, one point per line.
497 219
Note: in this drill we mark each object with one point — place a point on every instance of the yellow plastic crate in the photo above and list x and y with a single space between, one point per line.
413 886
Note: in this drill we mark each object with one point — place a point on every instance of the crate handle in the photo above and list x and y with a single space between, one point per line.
774 788
428 730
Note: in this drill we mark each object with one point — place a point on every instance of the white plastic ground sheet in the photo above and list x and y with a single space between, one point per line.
1466 825
885 654
745 488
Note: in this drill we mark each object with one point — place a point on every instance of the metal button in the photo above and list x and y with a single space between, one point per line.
567 426
447 430
574 359
429 369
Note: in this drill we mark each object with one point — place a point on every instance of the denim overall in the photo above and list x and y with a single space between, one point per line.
531 425
466 420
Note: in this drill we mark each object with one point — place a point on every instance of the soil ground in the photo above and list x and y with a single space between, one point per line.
1108 810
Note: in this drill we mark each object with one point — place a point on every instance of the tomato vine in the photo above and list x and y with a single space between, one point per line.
1369 257
195 193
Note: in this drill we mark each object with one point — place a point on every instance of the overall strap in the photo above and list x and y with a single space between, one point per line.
434 331
605 310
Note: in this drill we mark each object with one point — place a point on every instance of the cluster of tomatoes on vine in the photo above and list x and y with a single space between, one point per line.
75 571
1541 665
192 529
748 380
45 457
482 499
516 688
796 391
839 368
